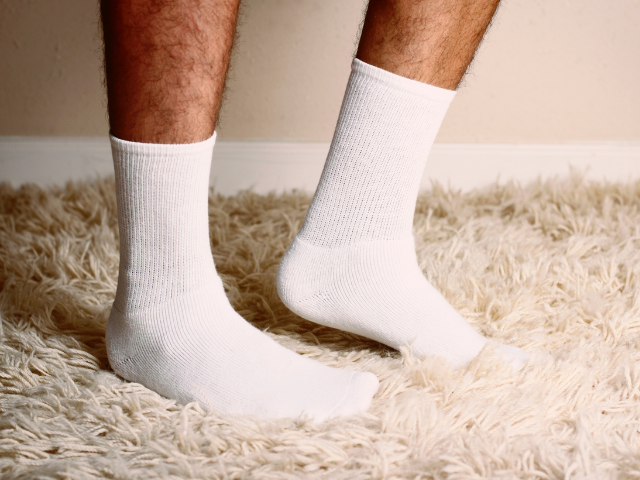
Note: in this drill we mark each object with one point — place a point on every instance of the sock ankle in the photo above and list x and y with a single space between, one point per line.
371 178
352 266
172 328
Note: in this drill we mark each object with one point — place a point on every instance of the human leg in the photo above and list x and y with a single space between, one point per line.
353 265
431 41
165 66
171 327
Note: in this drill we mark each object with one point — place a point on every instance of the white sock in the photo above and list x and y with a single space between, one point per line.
172 328
353 266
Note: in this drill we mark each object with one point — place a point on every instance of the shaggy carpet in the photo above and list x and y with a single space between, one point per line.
553 267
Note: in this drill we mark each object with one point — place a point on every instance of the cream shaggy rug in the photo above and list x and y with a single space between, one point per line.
553 268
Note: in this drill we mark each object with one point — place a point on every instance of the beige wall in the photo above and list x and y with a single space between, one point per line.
549 71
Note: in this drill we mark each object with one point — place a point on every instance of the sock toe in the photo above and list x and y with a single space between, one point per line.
517 357
357 399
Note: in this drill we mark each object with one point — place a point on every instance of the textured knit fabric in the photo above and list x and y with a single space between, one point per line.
172 327
352 266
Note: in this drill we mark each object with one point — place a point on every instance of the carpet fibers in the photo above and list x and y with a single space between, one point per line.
553 267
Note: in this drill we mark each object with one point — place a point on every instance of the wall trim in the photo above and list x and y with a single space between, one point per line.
266 166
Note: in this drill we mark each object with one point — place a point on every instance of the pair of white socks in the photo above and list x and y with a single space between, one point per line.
352 266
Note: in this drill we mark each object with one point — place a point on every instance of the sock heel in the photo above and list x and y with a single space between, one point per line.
121 350
300 293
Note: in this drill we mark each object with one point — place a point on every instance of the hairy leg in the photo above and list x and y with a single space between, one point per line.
166 63
431 41
352 266
172 327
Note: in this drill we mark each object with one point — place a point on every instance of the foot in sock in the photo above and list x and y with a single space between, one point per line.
172 328
376 289
353 266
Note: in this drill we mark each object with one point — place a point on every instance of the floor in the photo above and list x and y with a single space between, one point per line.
552 267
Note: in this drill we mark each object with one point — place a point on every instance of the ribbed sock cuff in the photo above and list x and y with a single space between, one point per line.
162 149
424 90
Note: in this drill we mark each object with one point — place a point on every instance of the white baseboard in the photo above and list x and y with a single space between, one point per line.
266 166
